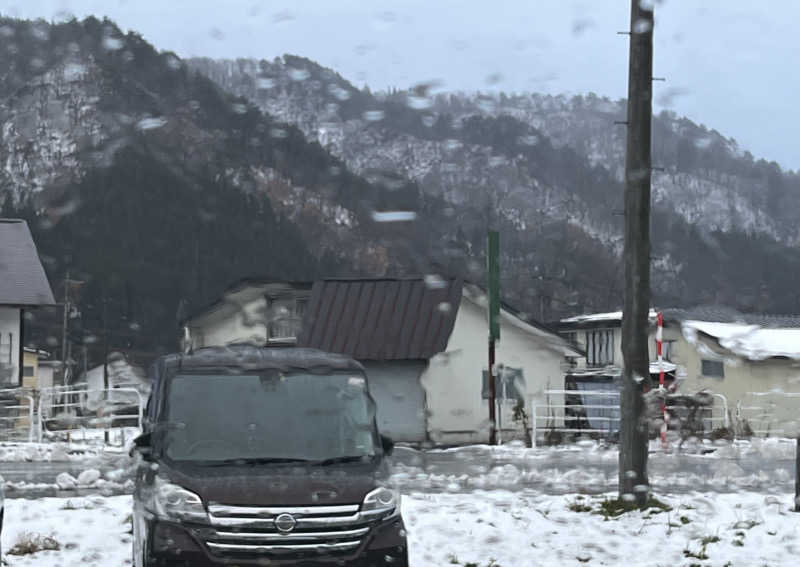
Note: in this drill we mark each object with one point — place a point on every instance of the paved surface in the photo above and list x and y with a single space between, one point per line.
476 468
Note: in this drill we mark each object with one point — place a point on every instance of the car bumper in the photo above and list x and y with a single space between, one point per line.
174 545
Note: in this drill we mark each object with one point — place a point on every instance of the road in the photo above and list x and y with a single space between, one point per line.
546 471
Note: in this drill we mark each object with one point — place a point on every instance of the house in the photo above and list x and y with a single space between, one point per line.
750 361
23 286
38 370
753 360
423 341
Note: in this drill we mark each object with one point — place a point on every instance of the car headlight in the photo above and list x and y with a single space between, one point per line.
174 502
383 502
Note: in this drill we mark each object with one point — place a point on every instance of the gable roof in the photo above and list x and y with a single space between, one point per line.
381 318
22 278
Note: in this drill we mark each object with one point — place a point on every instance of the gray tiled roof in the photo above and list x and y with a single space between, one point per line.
22 277
721 314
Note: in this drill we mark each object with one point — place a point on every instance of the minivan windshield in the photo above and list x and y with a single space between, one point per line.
269 418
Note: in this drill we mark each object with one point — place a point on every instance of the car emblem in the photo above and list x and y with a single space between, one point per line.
285 523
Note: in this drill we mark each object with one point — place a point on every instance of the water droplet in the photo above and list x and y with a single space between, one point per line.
419 102
278 133
394 216
173 62
702 143
494 79
216 33
373 115
497 161
445 307
264 83
452 144
434 281
282 17
111 43
429 120
298 74
628 497
151 123
239 108
338 92
529 140
642 26
580 25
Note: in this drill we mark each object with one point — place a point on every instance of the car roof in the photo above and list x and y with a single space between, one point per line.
251 357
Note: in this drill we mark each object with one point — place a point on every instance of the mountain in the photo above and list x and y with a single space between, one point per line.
148 183
157 182
551 167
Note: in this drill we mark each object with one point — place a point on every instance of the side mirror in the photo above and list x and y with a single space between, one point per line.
143 446
388 445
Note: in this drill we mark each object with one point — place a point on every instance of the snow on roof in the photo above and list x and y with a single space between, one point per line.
601 317
747 341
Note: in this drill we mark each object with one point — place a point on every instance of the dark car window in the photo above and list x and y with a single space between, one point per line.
276 416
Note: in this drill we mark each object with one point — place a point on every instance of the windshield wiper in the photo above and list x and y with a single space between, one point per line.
255 461
346 459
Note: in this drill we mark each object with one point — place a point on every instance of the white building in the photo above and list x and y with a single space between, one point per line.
23 285
424 343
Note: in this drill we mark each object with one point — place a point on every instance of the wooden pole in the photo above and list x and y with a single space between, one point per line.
634 430
797 477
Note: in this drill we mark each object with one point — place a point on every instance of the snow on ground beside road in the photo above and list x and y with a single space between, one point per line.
513 529
91 531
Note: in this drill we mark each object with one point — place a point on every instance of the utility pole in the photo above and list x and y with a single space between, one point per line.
493 289
64 329
105 364
634 429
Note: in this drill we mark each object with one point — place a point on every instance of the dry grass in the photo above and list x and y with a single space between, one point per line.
30 543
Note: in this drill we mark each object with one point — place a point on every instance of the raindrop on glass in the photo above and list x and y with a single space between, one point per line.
394 216
373 115
298 74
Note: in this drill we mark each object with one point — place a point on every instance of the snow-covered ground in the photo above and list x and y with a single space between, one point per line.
481 528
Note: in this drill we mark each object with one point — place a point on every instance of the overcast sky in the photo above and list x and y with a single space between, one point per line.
729 64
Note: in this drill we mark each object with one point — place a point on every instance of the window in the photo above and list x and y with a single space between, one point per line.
27 371
713 369
668 350
285 316
600 347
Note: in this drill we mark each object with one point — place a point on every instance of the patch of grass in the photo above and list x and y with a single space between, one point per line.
69 505
685 520
709 539
738 543
580 507
701 555
617 507
30 543
452 559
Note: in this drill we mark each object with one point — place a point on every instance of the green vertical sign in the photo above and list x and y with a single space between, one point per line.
494 285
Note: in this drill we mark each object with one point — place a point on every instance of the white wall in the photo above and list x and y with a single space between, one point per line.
453 380
9 325
232 323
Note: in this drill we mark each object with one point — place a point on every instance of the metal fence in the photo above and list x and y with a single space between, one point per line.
595 413
70 413
767 414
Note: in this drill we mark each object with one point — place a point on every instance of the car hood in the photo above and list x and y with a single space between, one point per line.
269 485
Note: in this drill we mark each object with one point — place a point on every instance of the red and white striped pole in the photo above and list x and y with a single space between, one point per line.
659 353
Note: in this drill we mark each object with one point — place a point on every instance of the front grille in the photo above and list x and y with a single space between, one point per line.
244 531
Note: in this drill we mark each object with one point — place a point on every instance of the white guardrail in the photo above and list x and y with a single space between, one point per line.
596 417
16 417
37 415
65 410
765 419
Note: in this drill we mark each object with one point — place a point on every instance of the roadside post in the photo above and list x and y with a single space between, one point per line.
493 269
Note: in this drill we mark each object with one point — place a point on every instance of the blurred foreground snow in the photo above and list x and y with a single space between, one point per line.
483 528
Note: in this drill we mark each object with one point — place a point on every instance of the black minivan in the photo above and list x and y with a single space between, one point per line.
263 456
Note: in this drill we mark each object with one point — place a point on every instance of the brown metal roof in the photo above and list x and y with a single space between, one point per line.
381 319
